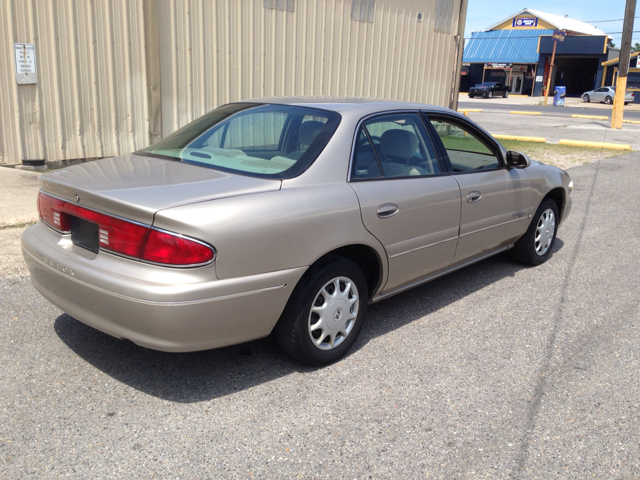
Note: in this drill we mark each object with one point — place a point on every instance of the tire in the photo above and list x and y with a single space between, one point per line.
490 95
535 246
302 332
586 99
470 96
626 103
608 100
505 94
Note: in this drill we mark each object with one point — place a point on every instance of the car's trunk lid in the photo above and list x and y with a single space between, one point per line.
135 187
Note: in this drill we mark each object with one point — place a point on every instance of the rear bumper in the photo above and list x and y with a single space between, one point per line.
174 311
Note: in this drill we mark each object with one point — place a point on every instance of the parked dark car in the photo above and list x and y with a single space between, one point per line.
489 89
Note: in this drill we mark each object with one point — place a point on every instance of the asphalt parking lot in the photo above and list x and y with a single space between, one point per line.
495 371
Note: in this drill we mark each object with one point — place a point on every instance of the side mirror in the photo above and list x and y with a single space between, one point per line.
517 160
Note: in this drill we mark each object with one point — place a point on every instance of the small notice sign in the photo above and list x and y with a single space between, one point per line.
25 56
538 78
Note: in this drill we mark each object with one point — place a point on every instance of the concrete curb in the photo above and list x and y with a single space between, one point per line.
523 139
581 143
597 117
517 112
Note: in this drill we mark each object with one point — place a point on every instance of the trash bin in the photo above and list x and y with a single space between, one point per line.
558 96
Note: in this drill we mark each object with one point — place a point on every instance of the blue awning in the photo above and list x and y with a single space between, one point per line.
504 46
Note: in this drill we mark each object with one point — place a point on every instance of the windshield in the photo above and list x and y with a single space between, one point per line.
486 84
271 141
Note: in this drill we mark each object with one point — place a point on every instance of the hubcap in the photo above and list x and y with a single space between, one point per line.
545 230
333 313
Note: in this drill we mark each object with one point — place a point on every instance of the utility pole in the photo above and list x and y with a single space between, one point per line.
553 58
623 65
558 36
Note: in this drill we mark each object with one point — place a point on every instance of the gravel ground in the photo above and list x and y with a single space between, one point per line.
495 371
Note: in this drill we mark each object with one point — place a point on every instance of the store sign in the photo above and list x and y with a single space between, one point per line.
525 22
498 65
25 56
558 35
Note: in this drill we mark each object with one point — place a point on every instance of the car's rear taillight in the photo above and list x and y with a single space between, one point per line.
51 211
168 248
124 237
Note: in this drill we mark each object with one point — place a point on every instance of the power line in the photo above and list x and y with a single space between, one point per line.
604 21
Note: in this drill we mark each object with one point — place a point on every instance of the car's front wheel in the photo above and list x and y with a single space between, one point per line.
586 98
608 100
489 94
325 312
506 94
470 96
534 247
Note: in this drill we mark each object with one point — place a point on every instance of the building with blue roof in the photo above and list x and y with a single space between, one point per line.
517 51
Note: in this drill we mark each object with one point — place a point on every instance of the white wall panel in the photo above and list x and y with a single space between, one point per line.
90 100
215 52
106 67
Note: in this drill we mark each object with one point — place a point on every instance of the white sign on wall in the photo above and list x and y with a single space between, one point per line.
25 55
538 78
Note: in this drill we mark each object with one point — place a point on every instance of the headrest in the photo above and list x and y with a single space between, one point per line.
398 143
309 131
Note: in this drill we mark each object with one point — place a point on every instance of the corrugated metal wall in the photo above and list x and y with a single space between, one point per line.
90 100
113 74
218 52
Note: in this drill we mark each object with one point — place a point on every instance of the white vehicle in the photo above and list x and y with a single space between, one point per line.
605 95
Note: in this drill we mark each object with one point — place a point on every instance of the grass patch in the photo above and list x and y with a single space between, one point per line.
563 156
18 225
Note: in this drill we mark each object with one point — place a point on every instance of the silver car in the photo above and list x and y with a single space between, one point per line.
284 215
605 95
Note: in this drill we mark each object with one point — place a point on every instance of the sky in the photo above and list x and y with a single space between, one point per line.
481 14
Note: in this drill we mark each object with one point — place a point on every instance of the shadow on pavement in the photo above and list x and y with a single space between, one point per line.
201 376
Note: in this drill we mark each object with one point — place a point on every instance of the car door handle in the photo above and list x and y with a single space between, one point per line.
473 197
387 210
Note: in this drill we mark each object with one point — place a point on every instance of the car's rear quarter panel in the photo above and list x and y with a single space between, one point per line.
276 230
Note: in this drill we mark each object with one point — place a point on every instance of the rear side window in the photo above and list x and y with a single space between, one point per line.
272 141
394 145
465 150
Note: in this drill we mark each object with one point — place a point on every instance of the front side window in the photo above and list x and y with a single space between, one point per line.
273 141
394 145
466 151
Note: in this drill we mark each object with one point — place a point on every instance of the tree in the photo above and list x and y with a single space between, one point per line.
636 47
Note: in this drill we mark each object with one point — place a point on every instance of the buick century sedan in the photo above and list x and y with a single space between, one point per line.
286 216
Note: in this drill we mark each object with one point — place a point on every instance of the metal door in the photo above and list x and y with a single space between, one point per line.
416 220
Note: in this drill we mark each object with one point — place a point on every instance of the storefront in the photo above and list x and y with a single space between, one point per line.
610 75
517 51
518 77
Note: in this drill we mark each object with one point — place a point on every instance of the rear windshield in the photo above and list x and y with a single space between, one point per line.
271 141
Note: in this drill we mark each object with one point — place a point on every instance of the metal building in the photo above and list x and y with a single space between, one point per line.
82 79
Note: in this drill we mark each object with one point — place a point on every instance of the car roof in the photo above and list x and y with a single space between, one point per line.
343 104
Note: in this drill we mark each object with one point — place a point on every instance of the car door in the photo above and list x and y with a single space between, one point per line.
408 199
600 94
495 200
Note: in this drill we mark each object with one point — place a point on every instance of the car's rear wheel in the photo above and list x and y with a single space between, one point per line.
534 247
608 100
506 94
325 313
586 98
